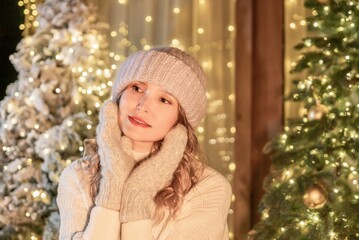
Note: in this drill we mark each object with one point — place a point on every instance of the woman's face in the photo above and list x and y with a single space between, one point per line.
146 114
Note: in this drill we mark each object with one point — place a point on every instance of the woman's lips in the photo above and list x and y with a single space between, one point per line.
138 122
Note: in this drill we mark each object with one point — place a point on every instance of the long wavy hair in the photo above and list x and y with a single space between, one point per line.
184 177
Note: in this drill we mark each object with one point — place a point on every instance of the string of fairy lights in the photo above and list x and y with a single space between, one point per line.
224 134
30 13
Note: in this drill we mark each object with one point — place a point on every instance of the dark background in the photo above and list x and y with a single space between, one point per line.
10 35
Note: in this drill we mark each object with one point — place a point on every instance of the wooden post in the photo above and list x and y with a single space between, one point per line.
259 102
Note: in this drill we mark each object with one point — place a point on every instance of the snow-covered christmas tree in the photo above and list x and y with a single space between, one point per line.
64 74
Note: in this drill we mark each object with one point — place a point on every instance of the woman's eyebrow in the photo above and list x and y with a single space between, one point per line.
167 93
140 82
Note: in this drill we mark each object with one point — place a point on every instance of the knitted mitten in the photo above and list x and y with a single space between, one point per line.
152 175
116 159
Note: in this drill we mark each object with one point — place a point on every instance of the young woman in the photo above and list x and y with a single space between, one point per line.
143 178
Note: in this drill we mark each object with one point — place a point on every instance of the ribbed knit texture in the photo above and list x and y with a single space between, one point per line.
203 215
151 176
71 201
169 73
116 161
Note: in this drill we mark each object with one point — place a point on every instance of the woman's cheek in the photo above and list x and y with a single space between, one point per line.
120 121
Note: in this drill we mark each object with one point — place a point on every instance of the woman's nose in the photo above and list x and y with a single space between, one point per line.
143 103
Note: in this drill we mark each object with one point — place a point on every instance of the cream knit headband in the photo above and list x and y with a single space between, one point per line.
169 73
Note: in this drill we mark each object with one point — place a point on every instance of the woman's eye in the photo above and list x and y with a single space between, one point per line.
136 88
164 100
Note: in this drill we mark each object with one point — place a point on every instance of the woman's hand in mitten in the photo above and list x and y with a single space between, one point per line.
152 175
116 159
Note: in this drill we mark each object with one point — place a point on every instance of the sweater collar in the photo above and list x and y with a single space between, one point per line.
90 148
139 156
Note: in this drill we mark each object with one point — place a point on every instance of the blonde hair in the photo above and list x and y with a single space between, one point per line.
184 178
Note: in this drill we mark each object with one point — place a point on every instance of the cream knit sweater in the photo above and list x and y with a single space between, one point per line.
203 215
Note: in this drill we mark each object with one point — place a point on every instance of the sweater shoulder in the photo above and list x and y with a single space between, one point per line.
214 180
69 174
82 167
75 182
212 187
211 194
74 172
68 184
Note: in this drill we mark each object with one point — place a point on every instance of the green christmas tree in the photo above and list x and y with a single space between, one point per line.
312 191
64 74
